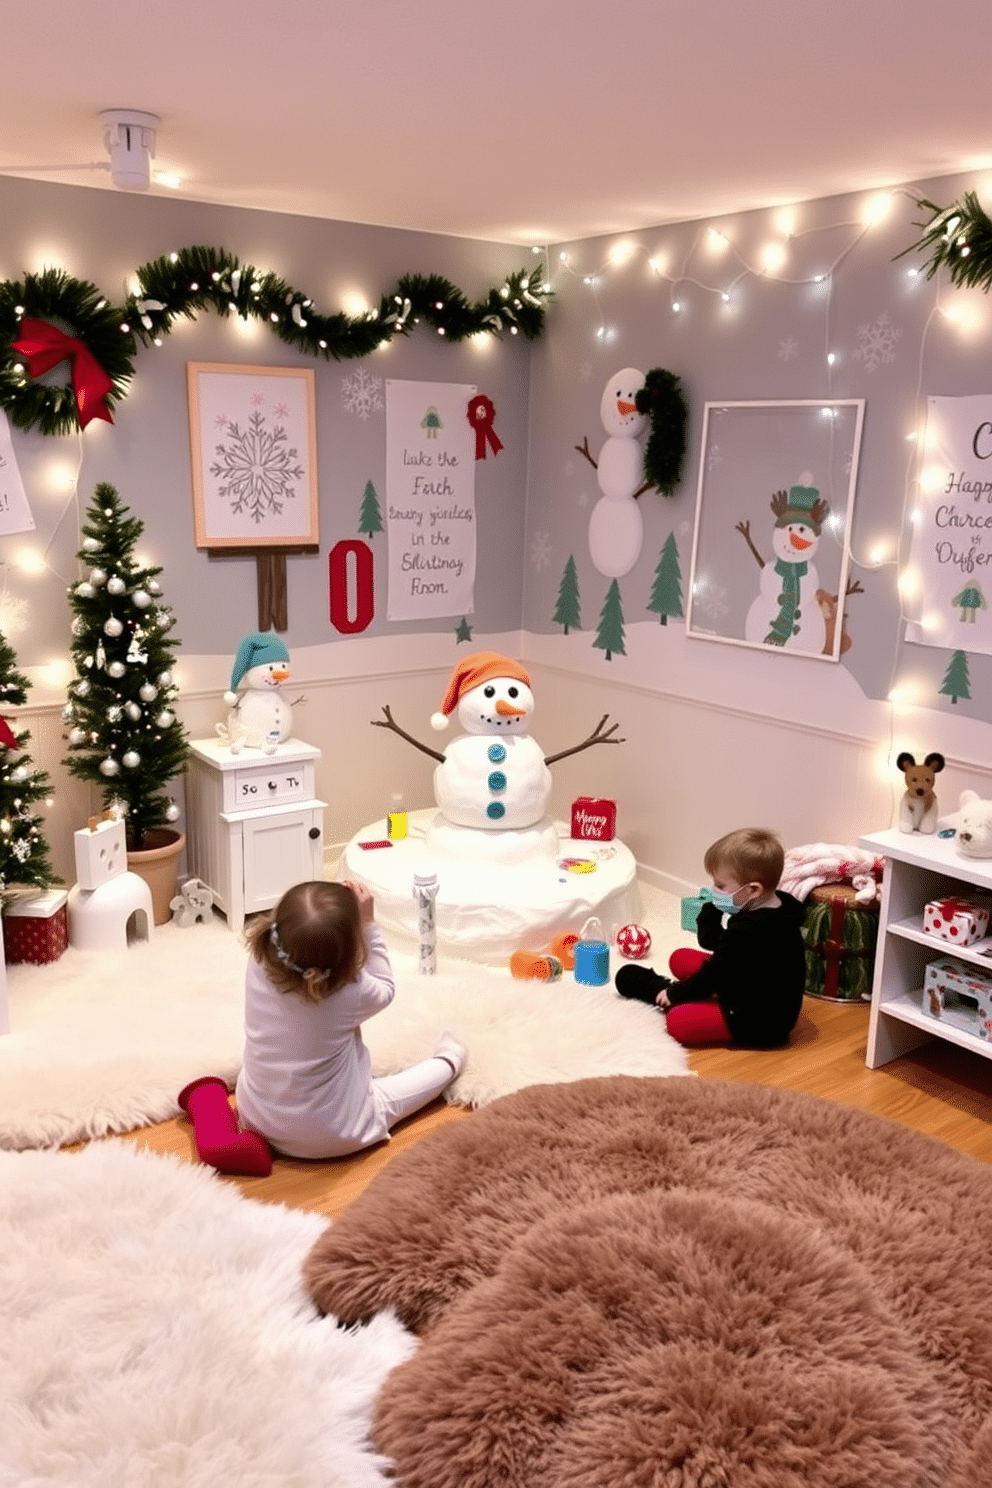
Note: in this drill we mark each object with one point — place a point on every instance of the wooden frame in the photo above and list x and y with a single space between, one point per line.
758 462
253 446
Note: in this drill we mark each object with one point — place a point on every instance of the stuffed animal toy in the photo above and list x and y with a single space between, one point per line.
260 716
866 888
194 904
918 807
974 825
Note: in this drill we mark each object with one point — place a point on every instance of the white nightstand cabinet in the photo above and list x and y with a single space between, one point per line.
918 868
254 827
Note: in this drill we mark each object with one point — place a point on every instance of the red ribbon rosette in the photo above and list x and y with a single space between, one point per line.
43 346
481 412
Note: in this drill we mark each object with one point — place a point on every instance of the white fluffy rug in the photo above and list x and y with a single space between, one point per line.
104 1042
156 1334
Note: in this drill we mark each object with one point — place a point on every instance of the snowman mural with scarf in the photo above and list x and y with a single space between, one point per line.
616 527
492 784
787 612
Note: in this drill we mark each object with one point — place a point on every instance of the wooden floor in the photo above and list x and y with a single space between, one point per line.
940 1089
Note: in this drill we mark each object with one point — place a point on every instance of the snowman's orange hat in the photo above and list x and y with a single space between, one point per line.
472 671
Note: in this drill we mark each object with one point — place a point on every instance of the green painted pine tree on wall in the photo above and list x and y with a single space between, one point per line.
370 516
666 591
609 636
956 683
567 608
123 733
24 848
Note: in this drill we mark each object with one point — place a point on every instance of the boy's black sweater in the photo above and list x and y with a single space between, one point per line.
757 972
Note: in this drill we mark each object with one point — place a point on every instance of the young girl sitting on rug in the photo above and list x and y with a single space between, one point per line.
746 985
318 969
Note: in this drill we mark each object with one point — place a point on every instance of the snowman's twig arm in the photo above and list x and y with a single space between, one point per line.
598 736
646 486
583 449
390 723
744 528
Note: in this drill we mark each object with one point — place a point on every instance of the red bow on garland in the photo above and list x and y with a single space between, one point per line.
481 412
43 346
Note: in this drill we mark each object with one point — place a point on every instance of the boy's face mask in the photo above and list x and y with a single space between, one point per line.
726 902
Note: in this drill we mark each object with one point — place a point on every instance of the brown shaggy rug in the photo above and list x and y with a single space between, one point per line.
636 1283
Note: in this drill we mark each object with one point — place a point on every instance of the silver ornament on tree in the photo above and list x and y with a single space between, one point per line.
172 812
164 719
147 692
133 711
116 669
85 590
98 576
109 767
131 760
115 584
113 626
90 545
141 599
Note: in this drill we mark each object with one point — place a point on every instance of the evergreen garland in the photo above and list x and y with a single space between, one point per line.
24 851
185 283
78 309
123 731
661 398
958 238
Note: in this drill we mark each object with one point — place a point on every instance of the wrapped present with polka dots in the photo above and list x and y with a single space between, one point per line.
36 928
959 920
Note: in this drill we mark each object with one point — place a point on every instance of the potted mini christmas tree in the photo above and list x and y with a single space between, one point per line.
122 729
24 860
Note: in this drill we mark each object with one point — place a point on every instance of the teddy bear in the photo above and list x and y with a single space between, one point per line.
918 807
973 824
193 904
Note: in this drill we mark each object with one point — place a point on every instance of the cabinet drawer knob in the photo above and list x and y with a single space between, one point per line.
273 785
314 832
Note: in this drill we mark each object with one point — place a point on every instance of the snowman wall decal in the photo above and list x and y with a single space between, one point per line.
616 528
259 717
494 776
787 612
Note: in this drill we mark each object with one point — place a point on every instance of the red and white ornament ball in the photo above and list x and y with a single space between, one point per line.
633 941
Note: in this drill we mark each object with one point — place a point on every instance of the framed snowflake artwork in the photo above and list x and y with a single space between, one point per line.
771 540
253 445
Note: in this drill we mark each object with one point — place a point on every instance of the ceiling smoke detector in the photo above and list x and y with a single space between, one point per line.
129 138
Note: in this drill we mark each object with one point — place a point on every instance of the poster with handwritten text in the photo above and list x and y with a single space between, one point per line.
15 514
430 499
947 593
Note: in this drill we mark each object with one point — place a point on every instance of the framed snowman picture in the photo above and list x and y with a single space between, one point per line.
774 504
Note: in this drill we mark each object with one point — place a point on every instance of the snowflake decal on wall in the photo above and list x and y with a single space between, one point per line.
256 470
788 349
877 343
540 550
362 393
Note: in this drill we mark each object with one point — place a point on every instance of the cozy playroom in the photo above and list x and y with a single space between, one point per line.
495 771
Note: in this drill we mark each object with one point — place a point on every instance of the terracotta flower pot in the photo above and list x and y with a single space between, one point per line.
158 864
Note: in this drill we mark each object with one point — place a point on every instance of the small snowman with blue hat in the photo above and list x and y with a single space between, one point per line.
260 716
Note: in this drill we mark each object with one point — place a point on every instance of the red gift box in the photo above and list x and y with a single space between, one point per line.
961 920
595 818
36 928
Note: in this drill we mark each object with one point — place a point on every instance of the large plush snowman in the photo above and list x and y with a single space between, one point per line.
616 528
260 716
493 776
786 612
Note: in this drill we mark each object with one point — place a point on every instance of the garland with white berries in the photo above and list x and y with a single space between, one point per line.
183 284
958 238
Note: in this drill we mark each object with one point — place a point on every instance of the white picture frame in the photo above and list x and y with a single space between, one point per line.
774 473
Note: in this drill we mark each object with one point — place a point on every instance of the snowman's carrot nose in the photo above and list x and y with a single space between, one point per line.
279 674
623 407
507 710
800 542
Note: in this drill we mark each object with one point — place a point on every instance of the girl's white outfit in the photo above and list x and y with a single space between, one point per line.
306 1082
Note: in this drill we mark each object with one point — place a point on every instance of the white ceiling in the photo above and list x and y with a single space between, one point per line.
510 120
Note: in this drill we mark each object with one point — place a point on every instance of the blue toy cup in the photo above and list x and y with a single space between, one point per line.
592 958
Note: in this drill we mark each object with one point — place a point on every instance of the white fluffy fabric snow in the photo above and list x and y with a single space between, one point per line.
104 1042
156 1334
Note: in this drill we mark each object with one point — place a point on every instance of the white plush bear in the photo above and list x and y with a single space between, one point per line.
973 823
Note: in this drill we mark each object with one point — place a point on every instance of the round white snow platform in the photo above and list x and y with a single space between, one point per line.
498 891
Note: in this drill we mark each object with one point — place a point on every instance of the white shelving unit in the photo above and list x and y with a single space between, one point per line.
254 826
918 868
